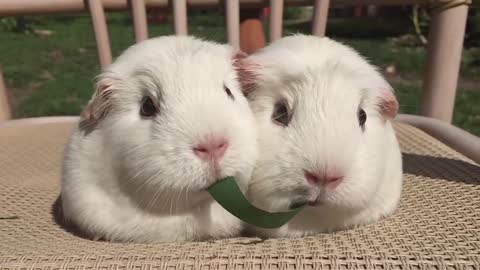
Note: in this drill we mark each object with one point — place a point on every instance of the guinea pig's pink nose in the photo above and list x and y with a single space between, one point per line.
211 149
318 178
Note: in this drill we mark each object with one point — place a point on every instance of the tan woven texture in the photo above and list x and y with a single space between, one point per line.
436 227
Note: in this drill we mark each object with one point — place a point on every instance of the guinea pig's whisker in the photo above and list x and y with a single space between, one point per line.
129 181
154 199
147 181
146 197
137 173
171 204
179 195
279 116
186 197
136 148
133 177
160 193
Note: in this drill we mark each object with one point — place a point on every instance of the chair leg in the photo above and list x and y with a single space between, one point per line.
445 44
5 113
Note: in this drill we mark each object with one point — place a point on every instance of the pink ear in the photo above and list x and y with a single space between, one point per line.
101 102
388 104
246 74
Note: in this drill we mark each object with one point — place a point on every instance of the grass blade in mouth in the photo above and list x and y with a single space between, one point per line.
227 193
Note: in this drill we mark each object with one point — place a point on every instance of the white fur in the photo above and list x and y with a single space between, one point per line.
325 83
137 179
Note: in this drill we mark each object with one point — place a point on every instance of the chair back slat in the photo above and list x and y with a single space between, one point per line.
180 17
5 112
276 19
440 82
444 56
139 14
101 33
232 13
320 17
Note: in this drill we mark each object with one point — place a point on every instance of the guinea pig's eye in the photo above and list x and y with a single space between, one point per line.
229 93
148 107
280 114
362 118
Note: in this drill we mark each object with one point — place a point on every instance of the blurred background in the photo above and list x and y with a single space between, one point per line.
50 61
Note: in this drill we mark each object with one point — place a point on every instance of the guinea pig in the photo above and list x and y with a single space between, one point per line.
325 137
167 119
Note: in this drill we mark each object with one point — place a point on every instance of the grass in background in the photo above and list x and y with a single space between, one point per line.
53 74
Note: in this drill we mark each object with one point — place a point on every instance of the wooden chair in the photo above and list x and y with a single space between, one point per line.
436 226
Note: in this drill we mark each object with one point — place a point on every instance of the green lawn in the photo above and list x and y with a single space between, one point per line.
52 75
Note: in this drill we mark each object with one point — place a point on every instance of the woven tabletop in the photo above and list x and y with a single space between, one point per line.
436 227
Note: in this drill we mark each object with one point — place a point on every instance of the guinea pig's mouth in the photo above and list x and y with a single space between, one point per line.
208 183
305 196
297 203
303 200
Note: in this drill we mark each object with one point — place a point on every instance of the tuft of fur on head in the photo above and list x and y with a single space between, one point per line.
145 165
247 72
324 85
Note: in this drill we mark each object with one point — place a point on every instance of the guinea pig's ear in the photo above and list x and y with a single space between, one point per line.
101 102
247 72
387 103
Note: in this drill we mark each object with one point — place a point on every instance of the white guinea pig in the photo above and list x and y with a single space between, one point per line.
325 138
167 120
